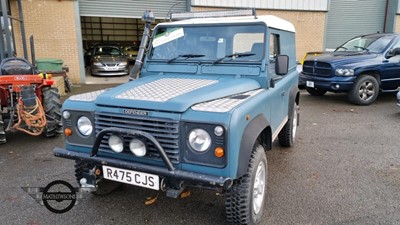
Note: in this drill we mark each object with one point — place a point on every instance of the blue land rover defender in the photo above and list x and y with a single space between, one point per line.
362 67
207 98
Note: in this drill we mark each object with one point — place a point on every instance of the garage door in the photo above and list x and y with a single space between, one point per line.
130 8
349 18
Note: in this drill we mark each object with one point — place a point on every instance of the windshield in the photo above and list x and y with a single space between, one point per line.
107 51
372 43
208 43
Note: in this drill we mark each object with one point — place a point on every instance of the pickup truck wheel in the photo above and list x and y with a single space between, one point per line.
245 199
52 108
315 91
287 135
365 90
104 186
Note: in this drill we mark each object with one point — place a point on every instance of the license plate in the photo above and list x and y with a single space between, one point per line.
131 177
110 68
310 84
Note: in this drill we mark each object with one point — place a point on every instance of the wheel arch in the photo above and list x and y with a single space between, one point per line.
373 73
258 129
294 96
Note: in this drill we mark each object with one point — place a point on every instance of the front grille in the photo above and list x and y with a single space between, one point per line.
316 68
166 132
111 64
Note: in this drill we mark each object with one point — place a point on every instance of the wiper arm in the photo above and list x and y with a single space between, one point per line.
186 56
342 47
236 55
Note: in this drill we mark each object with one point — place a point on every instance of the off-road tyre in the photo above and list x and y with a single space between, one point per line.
52 107
104 186
287 135
315 91
2 131
365 90
240 197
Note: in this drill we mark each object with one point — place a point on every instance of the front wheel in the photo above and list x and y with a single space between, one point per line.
315 91
245 199
365 90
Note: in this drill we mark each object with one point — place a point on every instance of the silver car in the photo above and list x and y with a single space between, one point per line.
108 61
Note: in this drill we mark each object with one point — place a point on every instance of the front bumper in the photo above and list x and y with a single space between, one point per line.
169 172
109 71
334 84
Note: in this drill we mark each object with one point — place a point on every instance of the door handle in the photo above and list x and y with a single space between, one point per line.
283 93
385 61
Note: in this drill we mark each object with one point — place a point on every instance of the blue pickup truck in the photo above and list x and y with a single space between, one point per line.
207 98
362 67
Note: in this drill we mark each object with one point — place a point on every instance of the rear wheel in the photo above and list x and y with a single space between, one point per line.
2 132
245 199
315 91
365 90
287 135
52 107
103 186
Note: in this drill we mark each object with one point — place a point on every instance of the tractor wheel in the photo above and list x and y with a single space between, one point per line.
2 131
52 107
245 199
104 186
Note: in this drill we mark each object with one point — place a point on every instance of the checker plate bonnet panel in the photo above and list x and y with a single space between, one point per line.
225 104
164 89
87 97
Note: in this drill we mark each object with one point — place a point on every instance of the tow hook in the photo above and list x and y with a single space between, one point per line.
85 186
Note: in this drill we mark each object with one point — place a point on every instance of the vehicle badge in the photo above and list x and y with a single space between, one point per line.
136 112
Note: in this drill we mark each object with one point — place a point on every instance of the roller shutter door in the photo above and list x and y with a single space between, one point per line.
349 18
130 8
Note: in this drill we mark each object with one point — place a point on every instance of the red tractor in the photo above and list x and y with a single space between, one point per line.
28 103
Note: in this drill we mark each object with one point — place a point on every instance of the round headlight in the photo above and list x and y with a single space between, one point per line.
199 140
85 126
218 130
116 143
66 115
137 147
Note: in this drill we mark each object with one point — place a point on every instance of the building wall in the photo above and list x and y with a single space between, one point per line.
310 27
53 26
397 26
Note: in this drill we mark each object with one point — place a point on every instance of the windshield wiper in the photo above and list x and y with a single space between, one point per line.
234 55
186 56
342 47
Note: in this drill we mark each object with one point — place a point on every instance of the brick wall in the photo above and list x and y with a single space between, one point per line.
397 27
53 26
310 27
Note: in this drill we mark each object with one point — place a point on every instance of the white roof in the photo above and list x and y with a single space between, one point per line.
269 20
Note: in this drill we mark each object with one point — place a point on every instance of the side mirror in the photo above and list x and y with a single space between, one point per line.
393 52
281 64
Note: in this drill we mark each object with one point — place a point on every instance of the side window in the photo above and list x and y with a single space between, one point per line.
249 43
274 50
